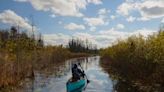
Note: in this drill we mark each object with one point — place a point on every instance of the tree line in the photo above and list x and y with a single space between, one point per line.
81 46
14 34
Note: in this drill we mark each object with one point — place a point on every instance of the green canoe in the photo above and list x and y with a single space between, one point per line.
76 86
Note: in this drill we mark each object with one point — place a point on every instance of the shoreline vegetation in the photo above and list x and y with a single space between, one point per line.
137 61
21 55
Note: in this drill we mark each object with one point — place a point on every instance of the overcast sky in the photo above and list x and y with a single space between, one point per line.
100 21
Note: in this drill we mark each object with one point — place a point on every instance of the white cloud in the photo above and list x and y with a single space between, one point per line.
131 19
10 17
73 26
109 36
60 22
94 21
152 9
147 9
114 33
83 36
103 11
21 0
112 17
145 32
53 15
143 19
125 8
120 26
93 29
61 7
95 1
56 39
129 0
103 38
100 20
162 21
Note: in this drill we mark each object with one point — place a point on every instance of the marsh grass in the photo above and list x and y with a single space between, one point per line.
137 60
21 56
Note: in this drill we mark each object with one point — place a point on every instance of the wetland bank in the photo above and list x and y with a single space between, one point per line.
131 65
118 43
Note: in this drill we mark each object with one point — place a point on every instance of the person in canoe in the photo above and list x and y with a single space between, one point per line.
79 79
76 73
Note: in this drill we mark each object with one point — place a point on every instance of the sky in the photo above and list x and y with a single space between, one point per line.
102 22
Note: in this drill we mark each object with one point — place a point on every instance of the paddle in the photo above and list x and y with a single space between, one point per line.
88 81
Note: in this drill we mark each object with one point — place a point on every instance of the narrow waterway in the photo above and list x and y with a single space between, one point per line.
56 81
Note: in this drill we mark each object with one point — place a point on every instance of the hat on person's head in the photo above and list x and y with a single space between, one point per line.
75 65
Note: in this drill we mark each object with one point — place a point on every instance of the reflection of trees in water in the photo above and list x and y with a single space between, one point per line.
44 77
54 69
118 84
57 70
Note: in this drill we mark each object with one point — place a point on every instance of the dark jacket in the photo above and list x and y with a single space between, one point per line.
76 72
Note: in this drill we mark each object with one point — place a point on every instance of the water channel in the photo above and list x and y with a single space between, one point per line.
53 81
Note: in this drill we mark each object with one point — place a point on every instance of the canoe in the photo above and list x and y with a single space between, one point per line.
76 86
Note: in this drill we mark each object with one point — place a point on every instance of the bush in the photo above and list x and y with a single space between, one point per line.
138 59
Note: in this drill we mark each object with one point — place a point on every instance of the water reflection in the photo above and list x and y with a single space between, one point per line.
54 79
122 86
